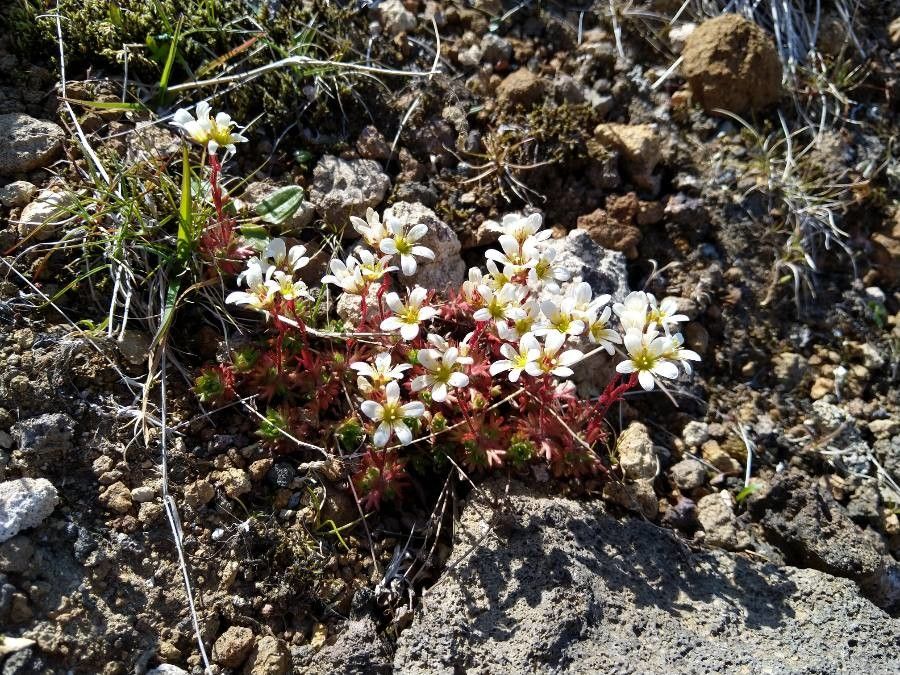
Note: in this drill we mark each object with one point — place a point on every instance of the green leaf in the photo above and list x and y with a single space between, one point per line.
281 204
185 211
746 492
170 60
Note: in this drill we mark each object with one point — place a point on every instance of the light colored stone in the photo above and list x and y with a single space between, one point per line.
16 194
522 87
342 188
715 455
152 142
396 18
117 498
349 306
234 482
884 428
142 494
24 503
695 434
199 493
637 458
46 216
638 496
722 530
232 647
27 143
566 588
270 656
640 147
688 474
447 270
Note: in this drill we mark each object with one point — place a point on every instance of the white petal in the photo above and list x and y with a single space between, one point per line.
666 369
429 359
646 380
625 367
439 392
416 232
404 435
388 246
500 366
392 323
458 380
382 435
413 409
409 331
417 296
393 301
392 392
419 383
372 409
423 252
408 265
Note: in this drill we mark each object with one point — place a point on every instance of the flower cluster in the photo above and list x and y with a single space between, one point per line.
271 278
481 373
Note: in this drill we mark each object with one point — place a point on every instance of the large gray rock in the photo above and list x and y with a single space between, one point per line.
27 143
564 588
447 269
342 188
24 503
813 530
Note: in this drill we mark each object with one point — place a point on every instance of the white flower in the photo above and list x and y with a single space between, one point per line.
519 227
469 288
375 376
210 132
284 285
278 255
514 255
633 312
408 316
465 349
666 313
497 278
646 351
259 293
442 371
390 416
599 332
403 243
552 361
560 318
675 352
531 312
346 275
545 272
371 229
498 306
516 361
374 268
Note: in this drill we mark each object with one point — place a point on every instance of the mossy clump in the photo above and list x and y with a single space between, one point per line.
563 131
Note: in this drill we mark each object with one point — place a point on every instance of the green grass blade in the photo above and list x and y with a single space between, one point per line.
185 211
170 60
